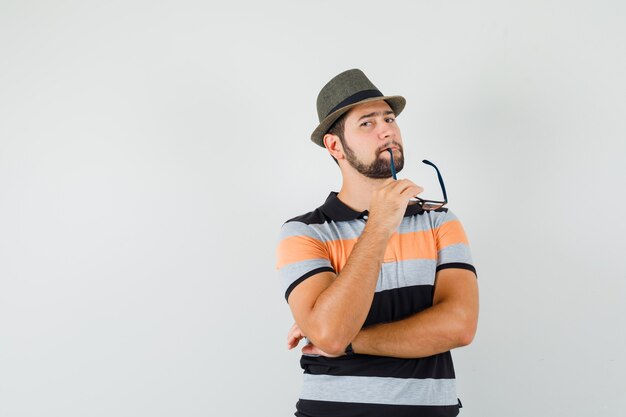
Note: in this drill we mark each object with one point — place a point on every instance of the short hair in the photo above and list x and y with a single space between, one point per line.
338 128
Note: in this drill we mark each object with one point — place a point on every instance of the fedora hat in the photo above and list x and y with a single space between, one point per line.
342 93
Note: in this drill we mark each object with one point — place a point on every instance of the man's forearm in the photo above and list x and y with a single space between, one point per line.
450 323
432 331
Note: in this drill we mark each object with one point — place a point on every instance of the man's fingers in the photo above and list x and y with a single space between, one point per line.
412 191
293 342
409 187
294 336
404 185
294 331
406 188
309 349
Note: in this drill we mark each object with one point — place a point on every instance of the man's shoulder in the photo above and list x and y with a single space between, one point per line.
312 217
304 226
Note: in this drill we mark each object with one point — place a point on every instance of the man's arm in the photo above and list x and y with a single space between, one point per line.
331 309
450 323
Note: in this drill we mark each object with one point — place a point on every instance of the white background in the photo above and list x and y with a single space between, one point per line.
150 151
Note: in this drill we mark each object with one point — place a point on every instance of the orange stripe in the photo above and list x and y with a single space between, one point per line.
450 233
340 251
414 245
299 248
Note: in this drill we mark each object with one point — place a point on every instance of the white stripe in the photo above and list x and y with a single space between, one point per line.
377 390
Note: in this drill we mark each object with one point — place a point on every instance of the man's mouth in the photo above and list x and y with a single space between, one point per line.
392 148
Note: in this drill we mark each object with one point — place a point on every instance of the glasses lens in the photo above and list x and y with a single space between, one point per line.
431 205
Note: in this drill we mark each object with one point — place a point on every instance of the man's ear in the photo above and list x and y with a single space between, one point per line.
333 144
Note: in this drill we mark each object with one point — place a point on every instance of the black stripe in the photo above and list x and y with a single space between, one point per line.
355 98
438 366
311 408
305 276
460 265
399 303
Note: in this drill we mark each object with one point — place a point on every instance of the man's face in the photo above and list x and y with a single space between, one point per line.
370 129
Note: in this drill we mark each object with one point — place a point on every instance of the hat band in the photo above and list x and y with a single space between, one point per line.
355 98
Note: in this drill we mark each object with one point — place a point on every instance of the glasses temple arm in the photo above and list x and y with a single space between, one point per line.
393 165
443 187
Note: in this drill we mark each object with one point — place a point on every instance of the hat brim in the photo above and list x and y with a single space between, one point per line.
396 103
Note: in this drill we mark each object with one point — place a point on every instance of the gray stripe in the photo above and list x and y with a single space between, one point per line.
449 216
427 221
352 229
340 230
414 224
376 390
406 273
298 229
324 232
392 274
291 272
454 253
443 217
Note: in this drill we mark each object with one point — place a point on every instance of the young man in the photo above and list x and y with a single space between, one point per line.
381 286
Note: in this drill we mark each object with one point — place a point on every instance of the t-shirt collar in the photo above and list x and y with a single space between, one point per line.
337 211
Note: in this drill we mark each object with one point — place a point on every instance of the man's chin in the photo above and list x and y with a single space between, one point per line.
379 174
378 177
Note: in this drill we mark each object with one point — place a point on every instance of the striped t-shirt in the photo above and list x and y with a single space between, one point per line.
365 385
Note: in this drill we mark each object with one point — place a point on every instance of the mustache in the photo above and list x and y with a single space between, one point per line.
388 145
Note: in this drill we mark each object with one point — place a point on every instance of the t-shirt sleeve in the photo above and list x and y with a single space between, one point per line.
301 253
453 249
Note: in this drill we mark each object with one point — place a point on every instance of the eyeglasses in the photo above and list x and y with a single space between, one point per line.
427 205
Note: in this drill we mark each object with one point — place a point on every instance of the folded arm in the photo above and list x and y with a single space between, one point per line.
330 309
451 322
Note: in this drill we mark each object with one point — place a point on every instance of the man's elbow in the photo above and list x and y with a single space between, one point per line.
466 337
465 330
331 342
334 349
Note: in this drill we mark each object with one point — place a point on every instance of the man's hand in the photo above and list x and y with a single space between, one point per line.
389 203
295 335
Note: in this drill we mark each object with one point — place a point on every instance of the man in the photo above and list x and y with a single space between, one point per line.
381 286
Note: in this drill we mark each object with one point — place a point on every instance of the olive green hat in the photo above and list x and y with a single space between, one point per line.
342 93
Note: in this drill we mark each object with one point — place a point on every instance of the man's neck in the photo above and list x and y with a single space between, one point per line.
356 190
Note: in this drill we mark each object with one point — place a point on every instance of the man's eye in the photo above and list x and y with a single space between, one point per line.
366 123
390 120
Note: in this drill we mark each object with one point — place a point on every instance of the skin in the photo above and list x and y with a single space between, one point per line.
330 308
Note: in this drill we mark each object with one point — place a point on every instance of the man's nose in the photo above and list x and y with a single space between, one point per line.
385 131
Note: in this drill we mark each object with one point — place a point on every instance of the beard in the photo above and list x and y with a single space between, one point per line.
380 167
